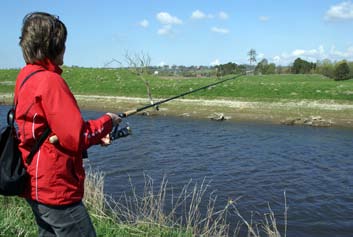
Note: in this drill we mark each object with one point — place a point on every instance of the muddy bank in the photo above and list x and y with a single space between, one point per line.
305 113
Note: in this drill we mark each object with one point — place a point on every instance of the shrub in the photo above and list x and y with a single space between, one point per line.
342 71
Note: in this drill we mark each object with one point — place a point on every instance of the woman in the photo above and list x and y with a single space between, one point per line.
56 175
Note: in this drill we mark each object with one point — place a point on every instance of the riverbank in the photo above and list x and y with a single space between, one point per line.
291 112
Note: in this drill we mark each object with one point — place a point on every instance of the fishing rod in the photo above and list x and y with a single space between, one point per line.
126 130
134 111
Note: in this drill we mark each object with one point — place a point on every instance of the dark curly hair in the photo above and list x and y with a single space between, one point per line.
43 36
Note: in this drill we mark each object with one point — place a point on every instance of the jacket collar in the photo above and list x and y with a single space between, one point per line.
49 65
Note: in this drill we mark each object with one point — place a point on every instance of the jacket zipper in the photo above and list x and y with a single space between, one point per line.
38 156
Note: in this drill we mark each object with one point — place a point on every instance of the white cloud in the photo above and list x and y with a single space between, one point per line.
298 52
282 59
166 19
264 18
348 54
341 11
198 15
223 15
311 55
215 62
220 30
165 30
144 23
276 59
314 55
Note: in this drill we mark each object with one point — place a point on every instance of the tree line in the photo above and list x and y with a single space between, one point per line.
341 70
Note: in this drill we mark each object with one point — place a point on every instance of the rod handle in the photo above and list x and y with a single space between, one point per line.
127 113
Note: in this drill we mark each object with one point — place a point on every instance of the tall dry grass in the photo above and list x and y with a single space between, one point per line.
161 211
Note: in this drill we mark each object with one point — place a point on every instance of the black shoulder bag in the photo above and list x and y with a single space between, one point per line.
13 174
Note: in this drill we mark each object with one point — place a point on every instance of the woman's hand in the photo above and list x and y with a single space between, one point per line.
115 118
106 141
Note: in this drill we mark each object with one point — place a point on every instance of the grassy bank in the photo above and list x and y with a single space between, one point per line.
121 82
271 98
149 214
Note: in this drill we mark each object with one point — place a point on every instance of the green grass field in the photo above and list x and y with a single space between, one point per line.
121 82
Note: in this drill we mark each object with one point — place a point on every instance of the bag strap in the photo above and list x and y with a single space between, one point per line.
37 145
23 82
30 75
44 135
11 113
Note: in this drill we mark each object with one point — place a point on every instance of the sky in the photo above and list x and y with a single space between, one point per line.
188 32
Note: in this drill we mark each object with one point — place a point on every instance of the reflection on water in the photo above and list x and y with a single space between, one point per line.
256 162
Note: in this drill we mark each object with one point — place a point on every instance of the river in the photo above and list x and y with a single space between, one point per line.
252 161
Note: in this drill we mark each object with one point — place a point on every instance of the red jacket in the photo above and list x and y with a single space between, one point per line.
56 172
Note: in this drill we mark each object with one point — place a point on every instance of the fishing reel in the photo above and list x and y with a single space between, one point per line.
119 132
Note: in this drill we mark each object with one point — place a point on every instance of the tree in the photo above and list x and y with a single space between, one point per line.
252 56
301 66
342 71
229 68
326 68
350 65
263 67
226 69
271 69
139 64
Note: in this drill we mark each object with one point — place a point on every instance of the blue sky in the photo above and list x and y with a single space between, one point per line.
189 32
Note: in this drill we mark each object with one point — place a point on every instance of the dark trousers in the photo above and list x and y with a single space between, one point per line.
64 221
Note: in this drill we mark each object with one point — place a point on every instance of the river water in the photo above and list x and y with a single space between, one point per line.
256 162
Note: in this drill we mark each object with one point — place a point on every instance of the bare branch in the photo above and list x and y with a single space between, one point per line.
139 64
